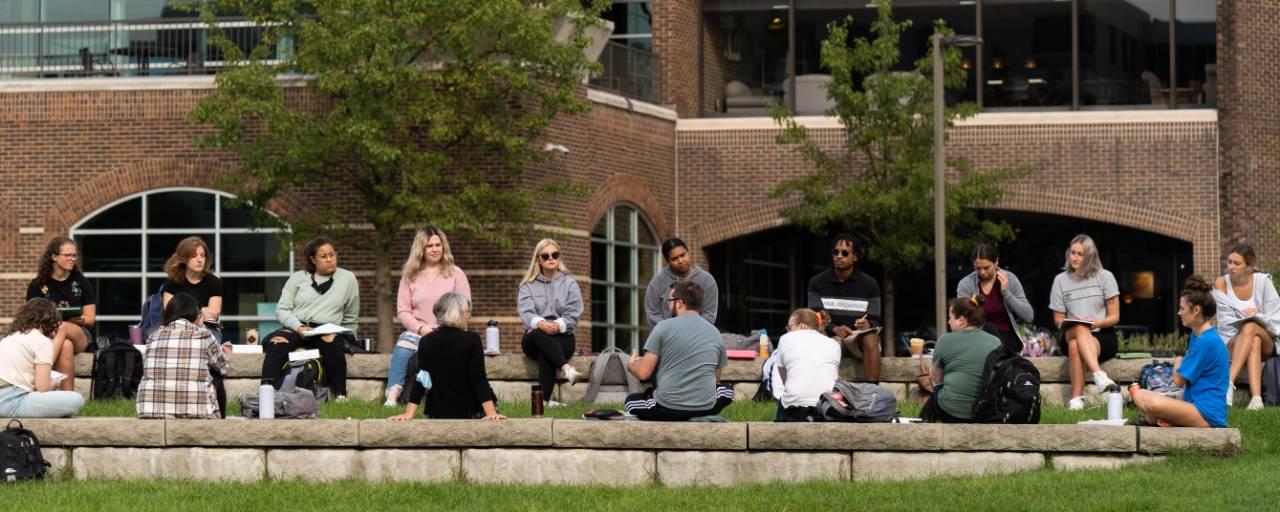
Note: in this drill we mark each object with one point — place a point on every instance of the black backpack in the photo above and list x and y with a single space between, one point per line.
117 371
306 374
20 457
1010 391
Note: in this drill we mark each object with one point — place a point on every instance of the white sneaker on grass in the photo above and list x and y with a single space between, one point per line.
1076 403
1231 394
1255 403
553 403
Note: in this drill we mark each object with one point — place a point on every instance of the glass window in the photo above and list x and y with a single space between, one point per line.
1026 53
746 56
125 256
1124 52
1196 52
631 23
621 266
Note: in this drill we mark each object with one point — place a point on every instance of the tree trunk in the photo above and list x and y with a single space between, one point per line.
887 334
385 299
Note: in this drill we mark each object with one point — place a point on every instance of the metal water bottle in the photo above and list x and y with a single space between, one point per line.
535 396
266 402
491 338
1115 403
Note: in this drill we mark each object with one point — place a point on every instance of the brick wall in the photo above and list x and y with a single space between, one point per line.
675 25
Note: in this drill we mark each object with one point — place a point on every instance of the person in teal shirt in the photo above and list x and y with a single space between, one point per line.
1203 371
958 361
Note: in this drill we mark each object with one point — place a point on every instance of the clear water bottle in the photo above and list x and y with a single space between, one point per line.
491 338
1115 403
266 402
764 344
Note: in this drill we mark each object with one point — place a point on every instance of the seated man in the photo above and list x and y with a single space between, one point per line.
851 301
808 363
683 356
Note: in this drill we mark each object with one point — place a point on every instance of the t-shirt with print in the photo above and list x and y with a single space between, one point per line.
689 350
19 354
208 287
1083 298
73 292
845 301
1206 369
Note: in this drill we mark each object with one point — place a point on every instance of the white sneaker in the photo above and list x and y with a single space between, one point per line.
1231 394
553 404
1103 382
390 403
342 399
1076 404
572 375
1255 403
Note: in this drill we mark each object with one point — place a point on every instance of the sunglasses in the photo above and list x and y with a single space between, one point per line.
841 252
548 256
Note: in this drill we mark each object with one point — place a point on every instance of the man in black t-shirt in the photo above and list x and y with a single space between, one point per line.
851 301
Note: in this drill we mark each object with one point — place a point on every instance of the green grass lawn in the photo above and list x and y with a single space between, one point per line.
1187 481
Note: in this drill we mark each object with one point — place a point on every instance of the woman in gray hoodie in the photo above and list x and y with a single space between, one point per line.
1004 303
550 304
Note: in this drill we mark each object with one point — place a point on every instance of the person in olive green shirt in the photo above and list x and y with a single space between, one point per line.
958 362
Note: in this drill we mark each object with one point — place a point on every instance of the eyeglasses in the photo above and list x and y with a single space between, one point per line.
841 252
71 255
673 299
548 256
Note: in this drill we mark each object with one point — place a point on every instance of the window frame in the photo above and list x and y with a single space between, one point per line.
614 331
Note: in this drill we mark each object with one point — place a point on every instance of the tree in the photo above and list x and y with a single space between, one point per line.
424 111
880 183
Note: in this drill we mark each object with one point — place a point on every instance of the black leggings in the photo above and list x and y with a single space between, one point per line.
551 351
219 386
932 412
333 355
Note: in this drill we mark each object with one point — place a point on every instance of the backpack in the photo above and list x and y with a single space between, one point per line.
1010 391
20 457
117 371
765 393
1271 381
608 380
306 374
153 312
859 402
294 403
1157 376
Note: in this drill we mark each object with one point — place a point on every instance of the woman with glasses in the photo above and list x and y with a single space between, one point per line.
1004 302
550 304
428 274
59 279
320 294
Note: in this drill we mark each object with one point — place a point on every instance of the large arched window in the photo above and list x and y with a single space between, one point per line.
124 245
624 256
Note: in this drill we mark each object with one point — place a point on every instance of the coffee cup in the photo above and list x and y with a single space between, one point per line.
917 347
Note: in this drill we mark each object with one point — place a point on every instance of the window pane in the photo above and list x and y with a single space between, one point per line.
622 223
601 229
242 217
647 259
1197 52
251 296
747 55
126 215
20 11
119 296
599 304
110 253
599 261
160 247
1124 52
622 265
646 235
76 10
1027 53
180 209
254 253
622 307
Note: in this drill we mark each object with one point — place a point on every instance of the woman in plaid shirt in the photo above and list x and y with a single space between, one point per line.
180 355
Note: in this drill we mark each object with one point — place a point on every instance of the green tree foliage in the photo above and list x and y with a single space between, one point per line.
424 112
879 183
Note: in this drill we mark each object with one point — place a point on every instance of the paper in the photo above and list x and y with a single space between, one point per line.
1261 321
56 377
303 355
1115 423
326 329
246 349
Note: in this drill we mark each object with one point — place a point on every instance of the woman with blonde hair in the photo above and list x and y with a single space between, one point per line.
1086 307
549 303
427 275
188 271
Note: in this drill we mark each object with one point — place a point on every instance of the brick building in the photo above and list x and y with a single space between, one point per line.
1161 176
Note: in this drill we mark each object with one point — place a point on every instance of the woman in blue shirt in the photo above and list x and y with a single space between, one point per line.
1203 371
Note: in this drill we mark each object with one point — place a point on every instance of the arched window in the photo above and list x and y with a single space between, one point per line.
624 256
124 245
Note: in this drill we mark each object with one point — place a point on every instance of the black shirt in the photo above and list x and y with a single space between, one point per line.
73 292
455 360
209 286
845 302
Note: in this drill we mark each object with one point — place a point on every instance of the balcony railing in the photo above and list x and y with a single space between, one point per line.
120 48
630 72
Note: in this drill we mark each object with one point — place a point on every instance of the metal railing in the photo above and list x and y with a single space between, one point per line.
628 71
120 48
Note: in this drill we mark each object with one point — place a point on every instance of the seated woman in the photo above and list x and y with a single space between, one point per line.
808 363
188 272
1004 304
1088 295
1202 372
958 361
1243 293
321 294
58 278
428 274
26 365
550 304
177 380
454 358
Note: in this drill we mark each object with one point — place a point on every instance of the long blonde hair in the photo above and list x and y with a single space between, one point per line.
534 269
418 254
1090 264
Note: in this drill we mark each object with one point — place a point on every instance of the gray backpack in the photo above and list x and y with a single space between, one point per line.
294 403
858 402
608 380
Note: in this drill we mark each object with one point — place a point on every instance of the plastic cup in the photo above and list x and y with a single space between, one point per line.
135 334
917 347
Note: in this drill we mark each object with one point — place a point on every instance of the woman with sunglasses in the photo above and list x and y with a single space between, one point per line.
550 304
321 294
1004 303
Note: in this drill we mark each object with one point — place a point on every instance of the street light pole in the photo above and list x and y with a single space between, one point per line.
939 186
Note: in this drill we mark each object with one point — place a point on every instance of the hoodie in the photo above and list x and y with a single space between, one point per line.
655 305
558 299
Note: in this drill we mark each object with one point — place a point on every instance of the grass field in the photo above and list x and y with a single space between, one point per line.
1187 481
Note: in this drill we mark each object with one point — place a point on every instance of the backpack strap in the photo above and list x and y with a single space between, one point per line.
599 367
126 377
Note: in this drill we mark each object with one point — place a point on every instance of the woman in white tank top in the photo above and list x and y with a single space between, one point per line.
1240 294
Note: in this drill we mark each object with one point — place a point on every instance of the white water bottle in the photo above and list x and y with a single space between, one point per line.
266 402
491 337
1115 404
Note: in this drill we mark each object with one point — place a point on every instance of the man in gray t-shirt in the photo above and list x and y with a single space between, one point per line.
683 358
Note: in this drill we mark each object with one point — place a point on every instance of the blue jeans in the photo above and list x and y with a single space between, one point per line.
400 358
16 402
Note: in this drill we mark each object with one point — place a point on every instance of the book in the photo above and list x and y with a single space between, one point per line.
246 349
1255 318
303 355
1068 323
326 329
69 313
740 354
856 333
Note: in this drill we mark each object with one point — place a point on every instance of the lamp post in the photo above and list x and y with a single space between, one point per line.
939 164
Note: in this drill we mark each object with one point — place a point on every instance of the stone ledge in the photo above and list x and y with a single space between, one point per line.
1040 438
845 436
220 433
919 465
649 435
130 432
570 466
206 464
455 433
681 469
1156 440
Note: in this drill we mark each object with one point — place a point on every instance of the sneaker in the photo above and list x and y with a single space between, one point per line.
1076 404
1103 382
1231 394
390 403
572 375
552 404
1255 403
342 399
